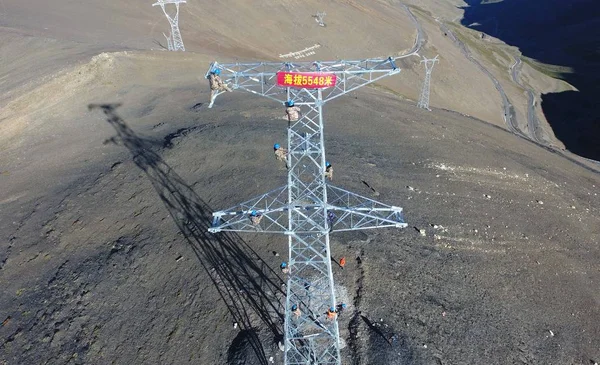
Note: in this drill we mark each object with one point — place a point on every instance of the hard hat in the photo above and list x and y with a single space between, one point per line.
290 103
217 72
332 309
283 264
253 213
276 146
344 305
327 164
294 307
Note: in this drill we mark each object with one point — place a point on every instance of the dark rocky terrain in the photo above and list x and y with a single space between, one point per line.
117 267
110 169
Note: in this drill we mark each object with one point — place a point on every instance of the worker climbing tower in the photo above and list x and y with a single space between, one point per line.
307 209
424 99
174 41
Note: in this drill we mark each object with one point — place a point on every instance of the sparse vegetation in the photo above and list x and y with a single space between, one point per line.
421 11
556 72
470 40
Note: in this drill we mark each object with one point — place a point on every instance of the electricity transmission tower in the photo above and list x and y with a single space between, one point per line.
174 42
319 18
307 209
424 99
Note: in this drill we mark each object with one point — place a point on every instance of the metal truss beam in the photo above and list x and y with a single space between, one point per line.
352 212
272 206
261 78
356 212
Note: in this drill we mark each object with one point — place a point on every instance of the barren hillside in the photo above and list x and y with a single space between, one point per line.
111 164
237 32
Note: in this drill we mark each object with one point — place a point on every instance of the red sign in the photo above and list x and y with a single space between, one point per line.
307 80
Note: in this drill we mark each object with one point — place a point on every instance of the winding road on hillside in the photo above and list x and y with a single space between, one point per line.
510 116
533 124
509 111
419 40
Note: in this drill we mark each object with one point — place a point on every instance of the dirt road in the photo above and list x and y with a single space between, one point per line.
509 114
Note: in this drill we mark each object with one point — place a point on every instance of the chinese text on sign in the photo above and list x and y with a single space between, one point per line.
308 80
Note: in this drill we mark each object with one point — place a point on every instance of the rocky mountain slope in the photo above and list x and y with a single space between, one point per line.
110 165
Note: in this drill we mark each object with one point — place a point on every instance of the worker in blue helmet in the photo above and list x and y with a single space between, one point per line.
331 314
280 153
284 267
255 217
292 112
331 217
328 170
340 308
217 86
296 311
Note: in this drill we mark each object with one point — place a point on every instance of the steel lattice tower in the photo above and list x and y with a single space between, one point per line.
319 18
424 99
302 210
175 42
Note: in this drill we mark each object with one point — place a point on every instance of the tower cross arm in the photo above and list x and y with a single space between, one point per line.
266 213
350 212
257 69
261 78
163 2
430 60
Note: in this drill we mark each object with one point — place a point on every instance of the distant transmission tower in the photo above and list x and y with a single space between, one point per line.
174 41
319 18
307 209
424 99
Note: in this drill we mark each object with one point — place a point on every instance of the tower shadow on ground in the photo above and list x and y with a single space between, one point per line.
245 282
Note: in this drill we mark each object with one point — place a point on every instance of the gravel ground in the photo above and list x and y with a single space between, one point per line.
113 265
